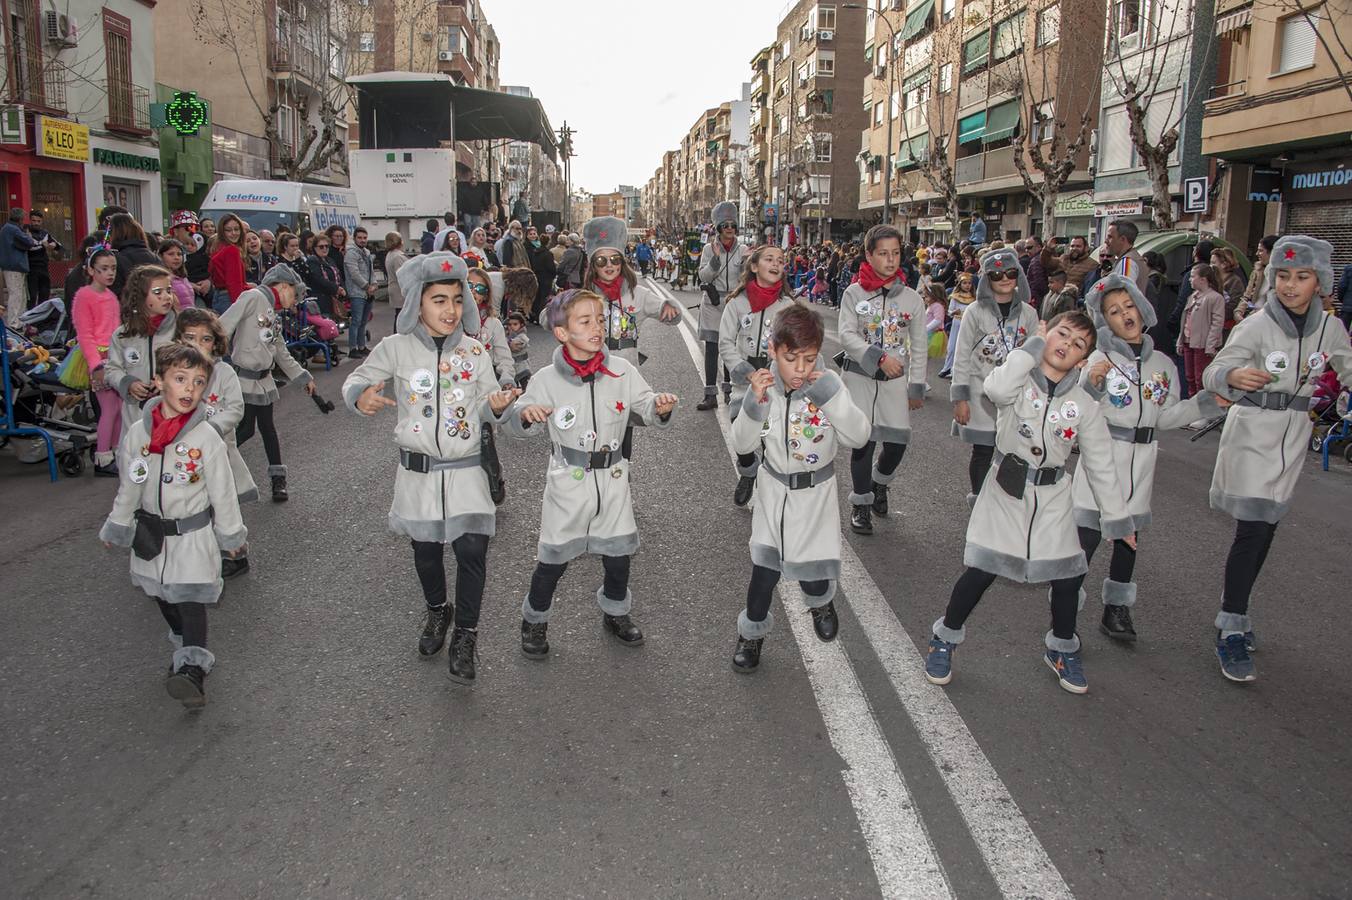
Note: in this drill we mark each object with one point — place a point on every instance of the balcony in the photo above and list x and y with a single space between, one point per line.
973 89
970 169
128 106
1228 90
40 84
985 166
458 67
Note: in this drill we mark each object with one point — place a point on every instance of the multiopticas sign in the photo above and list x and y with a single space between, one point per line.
1331 180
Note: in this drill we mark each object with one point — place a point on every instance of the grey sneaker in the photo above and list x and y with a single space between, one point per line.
1236 664
939 661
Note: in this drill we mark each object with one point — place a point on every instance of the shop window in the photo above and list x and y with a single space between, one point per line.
126 194
54 194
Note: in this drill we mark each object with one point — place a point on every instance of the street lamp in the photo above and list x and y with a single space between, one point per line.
891 88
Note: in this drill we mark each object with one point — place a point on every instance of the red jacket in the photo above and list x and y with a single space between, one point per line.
227 270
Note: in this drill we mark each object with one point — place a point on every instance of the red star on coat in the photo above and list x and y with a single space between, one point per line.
815 420
446 266
1070 433
1290 253
190 466
213 398
619 406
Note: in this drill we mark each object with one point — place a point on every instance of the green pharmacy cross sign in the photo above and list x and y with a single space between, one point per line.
186 113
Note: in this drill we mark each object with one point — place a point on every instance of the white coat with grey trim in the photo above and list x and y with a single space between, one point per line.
984 343
1139 392
223 405
623 318
1034 539
188 568
797 532
493 337
743 335
257 343
441 398
723 269
586 511
1262 450
890 321
131 358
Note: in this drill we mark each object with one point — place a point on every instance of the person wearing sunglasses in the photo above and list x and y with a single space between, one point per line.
999 321
487 290
720 271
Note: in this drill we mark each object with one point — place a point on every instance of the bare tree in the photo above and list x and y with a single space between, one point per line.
936 165
1333 14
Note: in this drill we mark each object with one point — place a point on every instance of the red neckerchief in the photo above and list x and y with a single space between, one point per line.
762 297
871 281
582 369
276 298
727 245
612 289
162 430
155 322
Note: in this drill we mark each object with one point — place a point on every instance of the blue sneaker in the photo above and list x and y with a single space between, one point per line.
939 661
1069 670
1249 643
1236 664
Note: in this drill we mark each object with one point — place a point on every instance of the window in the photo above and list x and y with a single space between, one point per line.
878 114
785 48
126 194
820 188
945 78
805 71
1048 25
950 9
117 47
783 124
802 110
286 129
828 99
1115 149
367 42
826 63
1008 37
976 53
822 148
868 55
881 55
826 17
1297 42
896 103
337 64
1128 18
1044 122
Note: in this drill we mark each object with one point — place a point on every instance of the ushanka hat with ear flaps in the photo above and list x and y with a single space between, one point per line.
1002 260
434 268
604 233
1298 251
725 212
284 274
1093 302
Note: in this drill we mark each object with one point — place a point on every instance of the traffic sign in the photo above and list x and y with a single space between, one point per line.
1196 194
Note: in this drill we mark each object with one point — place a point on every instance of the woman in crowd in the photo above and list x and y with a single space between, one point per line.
1231 279
326 279
128 240
1252 297
227 263
337 236
394 261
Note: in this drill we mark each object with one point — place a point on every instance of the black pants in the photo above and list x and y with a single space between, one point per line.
39 286
262 415
1123 562
746 460
861 463
973 583
979 465
471 568
1247 554
546 580
711 365
187 620
761 591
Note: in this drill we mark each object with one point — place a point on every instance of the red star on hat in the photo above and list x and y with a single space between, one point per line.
603 235
446 266
619 406
999 264
1099 287
1290 253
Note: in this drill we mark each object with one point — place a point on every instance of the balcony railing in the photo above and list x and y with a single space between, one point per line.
970 169
40 84
1227 90
128 105
985 166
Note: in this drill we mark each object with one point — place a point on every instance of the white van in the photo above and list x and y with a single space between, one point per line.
298 206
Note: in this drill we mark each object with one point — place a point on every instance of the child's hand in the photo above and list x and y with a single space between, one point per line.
915 403
665 403
311 387
97 380
669 313
372 400
500 400
1223 402
141 390
1042 328
1130 541
1099 373
535 414
891 366
962 412
107 546
760 382
1248 379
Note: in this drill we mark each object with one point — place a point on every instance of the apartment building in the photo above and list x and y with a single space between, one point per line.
529 172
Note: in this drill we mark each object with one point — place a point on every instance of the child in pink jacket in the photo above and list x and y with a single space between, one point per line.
96 315
1203 320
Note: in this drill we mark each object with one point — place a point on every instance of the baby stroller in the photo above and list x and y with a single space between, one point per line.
48 323
1332 424
51 420
303 337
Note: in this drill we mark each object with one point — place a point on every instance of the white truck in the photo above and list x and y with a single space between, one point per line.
399 190
297 205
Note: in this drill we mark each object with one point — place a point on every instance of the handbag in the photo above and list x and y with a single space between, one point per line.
712 293
148 541
1012 476
74 370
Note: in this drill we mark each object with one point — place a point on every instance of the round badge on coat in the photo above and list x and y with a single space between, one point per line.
443 366
1025 430
1118 385
181 477
138 470
615 444
863 307
1316 361
1054 417
616 472
133 356
812 459
181 449
1277 362
747 320
428 412
1070 410
421 381
588 436
457 395
209 410
266 335
167 477
565 417
455 361
578 474
1038 403
416 428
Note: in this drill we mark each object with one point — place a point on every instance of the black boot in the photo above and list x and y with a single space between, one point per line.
746 658
623 629
534 640
825 621
434 630
108 471
880 498
709 402
461 654
279 494
745 485
1117 623
861 520
188 686
233 567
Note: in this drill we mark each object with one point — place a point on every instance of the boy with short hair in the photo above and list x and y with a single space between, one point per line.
1023 524
519 343
584 400
797 415
176 508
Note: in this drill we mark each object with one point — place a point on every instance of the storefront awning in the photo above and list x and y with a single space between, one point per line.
917 19
1001 122
972 127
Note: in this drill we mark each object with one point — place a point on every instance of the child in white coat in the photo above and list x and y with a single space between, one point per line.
720 271
149 309
797 416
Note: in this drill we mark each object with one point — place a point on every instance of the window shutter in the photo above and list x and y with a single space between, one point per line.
1298 40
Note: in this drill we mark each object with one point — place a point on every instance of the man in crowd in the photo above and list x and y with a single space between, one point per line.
976 235
1128 261
39 275
15 245
429 236
1075 261
1035 270
643 253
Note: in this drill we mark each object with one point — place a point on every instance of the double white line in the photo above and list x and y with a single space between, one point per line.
904 857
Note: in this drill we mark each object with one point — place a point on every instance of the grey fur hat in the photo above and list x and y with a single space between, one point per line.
1093 302
1298 251
284 274
604 233
1002 260
432 268
725 212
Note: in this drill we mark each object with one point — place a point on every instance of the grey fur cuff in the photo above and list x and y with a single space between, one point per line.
1114 529
304 378
959 393
1092 389
824 389
194 656
615 607
1226 621
277 471
951 635
535 616
751 470
220 429
1034 346
873 355
1214 380
124 385
741 374
1119 593
753 408
1063 645
1207 405
752 631
861 499
352 390
233 541
117 534
817 601
915 390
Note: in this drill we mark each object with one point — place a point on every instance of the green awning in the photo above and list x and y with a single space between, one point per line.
976 52
972 127
919 78
917 19
911 152
1002 122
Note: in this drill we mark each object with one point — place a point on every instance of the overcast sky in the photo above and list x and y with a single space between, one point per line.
631 84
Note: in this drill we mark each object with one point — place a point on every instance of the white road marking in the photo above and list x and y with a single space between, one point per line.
1014 856
904 857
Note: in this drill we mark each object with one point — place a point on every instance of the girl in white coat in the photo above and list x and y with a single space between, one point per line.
884 364
720 271
148 312
444 388
1268 368
176 508
797 416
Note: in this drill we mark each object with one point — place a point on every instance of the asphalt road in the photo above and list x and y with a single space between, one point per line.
333 762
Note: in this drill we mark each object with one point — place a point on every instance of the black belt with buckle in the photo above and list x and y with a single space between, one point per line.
1132 435
422 463
593 459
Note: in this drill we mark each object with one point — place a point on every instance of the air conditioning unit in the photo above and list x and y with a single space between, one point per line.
826 35
445 55
58 29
